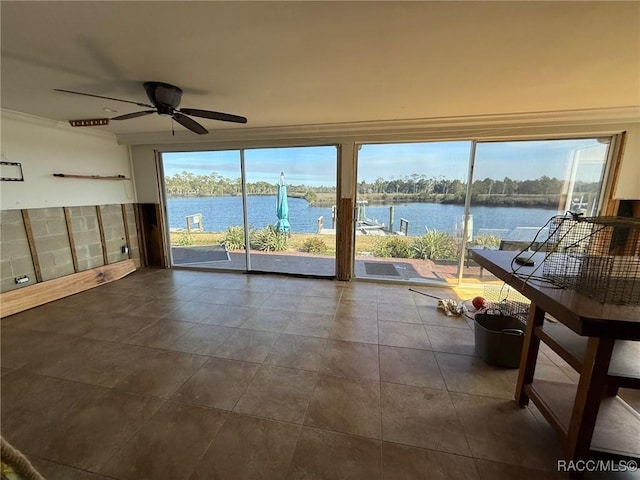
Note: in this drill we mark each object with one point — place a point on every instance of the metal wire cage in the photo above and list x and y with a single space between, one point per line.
595 256
507 301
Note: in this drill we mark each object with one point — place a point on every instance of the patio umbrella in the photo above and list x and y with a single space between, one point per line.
282 207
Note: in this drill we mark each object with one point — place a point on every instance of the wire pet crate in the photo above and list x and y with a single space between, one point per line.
508 301
596 256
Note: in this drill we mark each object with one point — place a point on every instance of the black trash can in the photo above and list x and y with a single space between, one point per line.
499 339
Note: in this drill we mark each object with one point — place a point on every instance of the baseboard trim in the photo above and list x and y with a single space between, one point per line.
31 296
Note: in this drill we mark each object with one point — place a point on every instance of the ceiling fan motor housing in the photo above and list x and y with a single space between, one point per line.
164 96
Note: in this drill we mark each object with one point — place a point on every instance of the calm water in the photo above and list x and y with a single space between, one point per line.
220 212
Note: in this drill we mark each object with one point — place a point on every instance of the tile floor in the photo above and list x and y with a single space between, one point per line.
192 375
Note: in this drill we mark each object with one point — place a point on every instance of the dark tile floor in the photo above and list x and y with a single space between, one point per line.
191 375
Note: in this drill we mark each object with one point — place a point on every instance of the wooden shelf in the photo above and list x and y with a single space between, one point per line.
624 369
617 428
92 177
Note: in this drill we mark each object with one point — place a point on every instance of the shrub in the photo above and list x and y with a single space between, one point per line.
269 240
310 196
435 245
486 241
234 238
314 245
184 239
392 246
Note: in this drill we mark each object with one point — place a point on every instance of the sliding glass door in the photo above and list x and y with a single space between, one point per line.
420 207
418 215
203 196
410 210
291 198
263 210
518 186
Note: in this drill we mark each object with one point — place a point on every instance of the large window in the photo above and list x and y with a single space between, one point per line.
292 231
280 202
410 204
420 207
418 214
518 186
203 193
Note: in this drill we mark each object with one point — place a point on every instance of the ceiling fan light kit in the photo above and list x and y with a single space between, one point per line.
165 99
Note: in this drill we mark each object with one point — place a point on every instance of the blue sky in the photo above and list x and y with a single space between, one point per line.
317 165
304 165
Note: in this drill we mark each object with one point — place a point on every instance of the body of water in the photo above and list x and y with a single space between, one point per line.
220 212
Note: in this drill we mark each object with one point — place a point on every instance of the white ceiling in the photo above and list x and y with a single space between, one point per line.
307 63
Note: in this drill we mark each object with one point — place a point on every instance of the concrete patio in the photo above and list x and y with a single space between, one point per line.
368 267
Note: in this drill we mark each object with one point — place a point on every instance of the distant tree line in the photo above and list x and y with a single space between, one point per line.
543 191
418 184
187 184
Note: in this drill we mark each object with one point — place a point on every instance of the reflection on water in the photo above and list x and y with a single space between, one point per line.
221 212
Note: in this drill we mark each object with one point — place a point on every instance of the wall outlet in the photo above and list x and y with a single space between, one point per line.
22 279
125 250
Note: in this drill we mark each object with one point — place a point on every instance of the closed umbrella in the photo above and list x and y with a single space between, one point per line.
282 207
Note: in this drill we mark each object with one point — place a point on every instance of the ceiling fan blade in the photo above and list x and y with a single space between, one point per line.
225 117
106 98
189 123
127 116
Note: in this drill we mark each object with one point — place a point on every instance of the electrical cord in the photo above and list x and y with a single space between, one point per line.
515 270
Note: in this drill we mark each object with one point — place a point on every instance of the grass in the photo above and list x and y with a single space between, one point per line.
295 244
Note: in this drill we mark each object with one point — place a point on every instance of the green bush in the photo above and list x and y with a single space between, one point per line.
485 241
314 245
392 246
269 240
234 238
184 239
435 245
310 196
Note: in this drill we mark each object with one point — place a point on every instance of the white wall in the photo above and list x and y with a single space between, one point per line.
144 171
45 147
628 187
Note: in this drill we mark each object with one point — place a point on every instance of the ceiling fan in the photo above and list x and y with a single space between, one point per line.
165 99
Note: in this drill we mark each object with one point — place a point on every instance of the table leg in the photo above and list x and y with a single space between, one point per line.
591 389
529 353
612 390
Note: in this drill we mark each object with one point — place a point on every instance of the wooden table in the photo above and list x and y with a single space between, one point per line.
599 341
